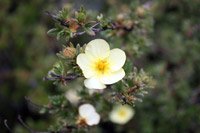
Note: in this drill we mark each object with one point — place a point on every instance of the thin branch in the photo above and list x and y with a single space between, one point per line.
61 77
6 125
79 33
25 125
32 103
55 18
95 25
92 28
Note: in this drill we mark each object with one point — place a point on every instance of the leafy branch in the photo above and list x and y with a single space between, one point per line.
69 26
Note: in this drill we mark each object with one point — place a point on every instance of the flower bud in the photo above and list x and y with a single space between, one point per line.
69 52
100 17
73 25
140 11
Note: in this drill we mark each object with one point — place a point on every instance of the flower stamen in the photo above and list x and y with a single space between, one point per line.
102 66
122 113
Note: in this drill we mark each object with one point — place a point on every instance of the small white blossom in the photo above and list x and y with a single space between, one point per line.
88 115
100 65
121 114
72 96
99 17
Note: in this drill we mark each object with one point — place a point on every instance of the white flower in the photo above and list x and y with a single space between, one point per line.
100 65
88 115
121 114
72 96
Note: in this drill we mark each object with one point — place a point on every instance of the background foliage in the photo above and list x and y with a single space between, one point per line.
27 53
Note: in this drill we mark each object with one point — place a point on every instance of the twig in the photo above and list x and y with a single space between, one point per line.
95 25
61 77
32 103
25 125
6 125
55 18
92 28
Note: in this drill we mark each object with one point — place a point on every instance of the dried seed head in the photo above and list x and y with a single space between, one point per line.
69 52
129 24
120 17
73 24
81 122
140 11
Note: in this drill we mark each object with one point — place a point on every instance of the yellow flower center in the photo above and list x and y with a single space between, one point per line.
102 66
122 113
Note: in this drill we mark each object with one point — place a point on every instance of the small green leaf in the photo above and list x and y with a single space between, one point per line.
43 111
89 31
63 14
60 34
53 31
57 100
58 68
81 15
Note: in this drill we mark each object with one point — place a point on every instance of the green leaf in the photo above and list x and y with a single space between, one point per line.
58 68
89 31
60 34
53 31
63 14
81 15
43 111
57 100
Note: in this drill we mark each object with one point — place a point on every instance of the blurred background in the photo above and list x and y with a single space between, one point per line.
173 59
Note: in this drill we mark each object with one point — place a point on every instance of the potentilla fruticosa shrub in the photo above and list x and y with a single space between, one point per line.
107 85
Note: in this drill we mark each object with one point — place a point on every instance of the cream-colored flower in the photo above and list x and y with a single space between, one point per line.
88 115
121 114
72 96
100 65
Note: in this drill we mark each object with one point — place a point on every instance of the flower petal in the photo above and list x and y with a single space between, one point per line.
88 73
113 77
98 48
94 83
93 119
72 96
117 58
85 110
84 62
